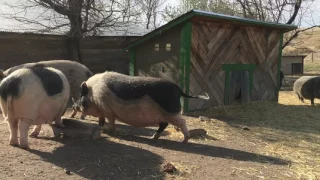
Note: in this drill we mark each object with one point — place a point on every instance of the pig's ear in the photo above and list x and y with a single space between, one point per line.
84 89
84 85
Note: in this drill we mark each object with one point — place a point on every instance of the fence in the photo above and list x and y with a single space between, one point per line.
98 53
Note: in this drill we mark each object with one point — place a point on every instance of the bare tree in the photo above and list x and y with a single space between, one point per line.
75 18
280 11
151 9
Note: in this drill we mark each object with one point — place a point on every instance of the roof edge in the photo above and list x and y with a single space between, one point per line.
179 20
288 27
184 17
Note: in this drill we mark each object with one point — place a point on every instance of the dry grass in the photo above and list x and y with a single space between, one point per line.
289 130
312 67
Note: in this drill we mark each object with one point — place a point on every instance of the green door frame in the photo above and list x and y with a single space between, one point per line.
279 67
236 67
184 62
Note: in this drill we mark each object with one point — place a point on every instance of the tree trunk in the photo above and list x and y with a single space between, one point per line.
74 51
75 32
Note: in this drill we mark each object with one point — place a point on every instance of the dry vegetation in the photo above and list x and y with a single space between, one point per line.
288 130
306 43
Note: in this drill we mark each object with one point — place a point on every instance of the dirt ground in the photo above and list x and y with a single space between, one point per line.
132 155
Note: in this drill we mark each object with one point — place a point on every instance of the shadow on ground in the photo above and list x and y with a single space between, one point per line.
134 134
103 159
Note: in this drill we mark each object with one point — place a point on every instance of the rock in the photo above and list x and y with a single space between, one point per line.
73 127
169 168
197 132
245 128
203 118
67 171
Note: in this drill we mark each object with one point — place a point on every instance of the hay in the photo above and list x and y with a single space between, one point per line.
290 130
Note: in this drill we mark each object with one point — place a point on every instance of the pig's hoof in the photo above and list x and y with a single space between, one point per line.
185 140
34 134
24 146
14 144
101 123
155 136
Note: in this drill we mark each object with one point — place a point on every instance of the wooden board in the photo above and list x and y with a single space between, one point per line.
214 44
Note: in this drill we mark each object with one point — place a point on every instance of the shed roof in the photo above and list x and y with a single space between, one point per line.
207 16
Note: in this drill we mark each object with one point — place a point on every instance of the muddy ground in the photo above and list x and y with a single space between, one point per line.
132 155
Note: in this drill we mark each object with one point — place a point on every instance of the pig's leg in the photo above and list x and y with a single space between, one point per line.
83 114
101 121
59 123
23 128
36 130
312 101
111 119
181 123
162 127
74 112
13 125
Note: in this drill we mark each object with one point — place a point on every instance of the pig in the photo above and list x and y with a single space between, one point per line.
137 101
307 87
33 96
75 72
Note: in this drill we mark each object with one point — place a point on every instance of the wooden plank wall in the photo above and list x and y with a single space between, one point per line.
214 44
150 62
99 53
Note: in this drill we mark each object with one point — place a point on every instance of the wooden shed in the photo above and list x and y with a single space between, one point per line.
292 64
232 59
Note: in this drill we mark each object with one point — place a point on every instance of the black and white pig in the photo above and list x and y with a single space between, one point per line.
75 72
134 100
33 96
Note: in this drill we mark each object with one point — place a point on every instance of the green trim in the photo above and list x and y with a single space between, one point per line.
193 13
182 61
279 67
132 55
236 67
185 47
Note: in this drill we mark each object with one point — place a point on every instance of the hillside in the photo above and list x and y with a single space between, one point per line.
305 43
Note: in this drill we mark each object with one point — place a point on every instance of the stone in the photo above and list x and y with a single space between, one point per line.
197 133
203 118
169 168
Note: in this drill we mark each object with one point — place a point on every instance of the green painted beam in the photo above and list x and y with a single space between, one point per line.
279 67
187 62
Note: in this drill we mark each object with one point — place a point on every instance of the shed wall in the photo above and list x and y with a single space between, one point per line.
214 44
150 62
286 63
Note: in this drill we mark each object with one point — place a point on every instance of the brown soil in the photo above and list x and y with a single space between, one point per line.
132 155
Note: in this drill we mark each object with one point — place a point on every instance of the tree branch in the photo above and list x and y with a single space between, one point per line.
296 34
